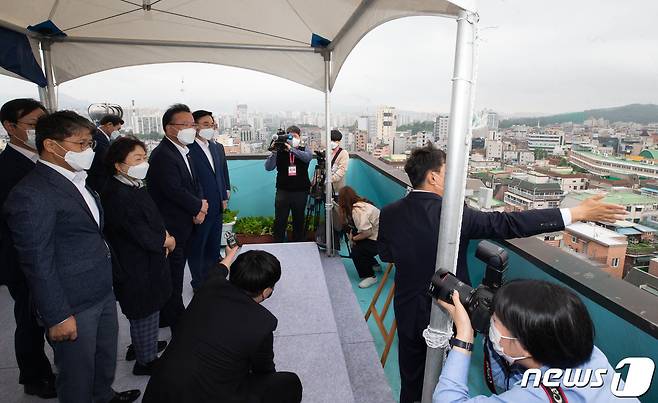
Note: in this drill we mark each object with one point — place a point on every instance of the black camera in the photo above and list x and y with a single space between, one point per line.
279 140
231 241
477 301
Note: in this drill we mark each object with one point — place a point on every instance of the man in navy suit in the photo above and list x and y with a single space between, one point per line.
19 118
408 235
106 132
210 165
56 223
174 186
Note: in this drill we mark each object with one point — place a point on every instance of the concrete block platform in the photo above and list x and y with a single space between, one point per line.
321 334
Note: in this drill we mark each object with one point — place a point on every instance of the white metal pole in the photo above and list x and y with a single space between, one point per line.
48 67
329 230
459 142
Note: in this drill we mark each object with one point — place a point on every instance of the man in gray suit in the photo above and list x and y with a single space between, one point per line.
56 223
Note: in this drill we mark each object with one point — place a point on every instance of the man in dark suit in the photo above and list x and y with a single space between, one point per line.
106 132
174 186
19 117
56 224
211 168
408 235
223 349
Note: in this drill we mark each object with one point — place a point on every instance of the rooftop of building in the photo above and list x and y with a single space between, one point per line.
609 158
624 197
597 234
534 187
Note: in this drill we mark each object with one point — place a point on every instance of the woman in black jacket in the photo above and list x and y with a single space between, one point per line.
140 244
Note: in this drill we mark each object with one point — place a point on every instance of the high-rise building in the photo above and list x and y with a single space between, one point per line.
242 114
492 120
441 131
361 140
386 124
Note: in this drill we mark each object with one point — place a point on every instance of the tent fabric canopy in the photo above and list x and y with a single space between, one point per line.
271 36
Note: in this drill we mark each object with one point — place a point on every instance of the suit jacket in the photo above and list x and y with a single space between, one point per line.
214 183
408 235
136 231
223 336
60 246
176 193
13 167
97 175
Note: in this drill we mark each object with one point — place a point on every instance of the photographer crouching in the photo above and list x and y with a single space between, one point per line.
291 161
534 324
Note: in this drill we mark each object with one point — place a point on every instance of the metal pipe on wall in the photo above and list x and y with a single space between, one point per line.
459 141
329 232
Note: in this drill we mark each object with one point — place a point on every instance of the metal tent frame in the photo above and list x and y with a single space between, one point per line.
459 132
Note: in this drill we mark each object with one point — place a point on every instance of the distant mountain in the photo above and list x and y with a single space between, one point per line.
638 113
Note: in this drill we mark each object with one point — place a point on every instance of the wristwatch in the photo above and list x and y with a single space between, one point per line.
461 344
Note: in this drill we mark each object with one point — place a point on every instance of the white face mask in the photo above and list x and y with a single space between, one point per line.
115 135
138 171
186 136
334 145
79 161
296 141
207 134
31 138
495 337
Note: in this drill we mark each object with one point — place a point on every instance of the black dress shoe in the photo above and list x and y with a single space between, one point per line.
139 369
45 389
130 354
126 397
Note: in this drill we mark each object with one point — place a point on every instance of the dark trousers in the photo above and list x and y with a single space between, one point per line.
363 256
284 203
411 353
204 248
29 338
276 387
86 366
174 308
144 335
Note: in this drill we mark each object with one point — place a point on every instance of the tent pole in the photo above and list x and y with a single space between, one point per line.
329 230
50 94
459 141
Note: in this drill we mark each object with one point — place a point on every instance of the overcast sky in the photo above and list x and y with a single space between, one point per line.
535 57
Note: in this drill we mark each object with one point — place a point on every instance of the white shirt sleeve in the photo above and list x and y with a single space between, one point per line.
566 216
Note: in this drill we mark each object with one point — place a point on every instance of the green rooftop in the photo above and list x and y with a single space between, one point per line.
615 159
618 197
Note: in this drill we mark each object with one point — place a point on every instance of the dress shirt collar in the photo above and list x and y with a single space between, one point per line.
31 155
103 131
205 144
182 149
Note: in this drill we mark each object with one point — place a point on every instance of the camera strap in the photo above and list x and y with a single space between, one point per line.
336 154
554 394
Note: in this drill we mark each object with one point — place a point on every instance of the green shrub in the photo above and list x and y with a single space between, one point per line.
229 216
254 225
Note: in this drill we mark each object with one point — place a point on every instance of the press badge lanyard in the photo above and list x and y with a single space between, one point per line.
292 168
555 394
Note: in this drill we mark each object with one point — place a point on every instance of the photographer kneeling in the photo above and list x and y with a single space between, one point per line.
535 325
362 218
291 161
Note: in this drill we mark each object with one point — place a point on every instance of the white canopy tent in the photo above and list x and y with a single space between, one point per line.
305 41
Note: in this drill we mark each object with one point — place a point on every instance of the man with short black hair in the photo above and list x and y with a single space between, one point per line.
408 235
292 185
210 165
19 118
106 132
174 186
56 223
339 161
223 348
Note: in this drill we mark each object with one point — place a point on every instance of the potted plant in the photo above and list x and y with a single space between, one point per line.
228 221
251 230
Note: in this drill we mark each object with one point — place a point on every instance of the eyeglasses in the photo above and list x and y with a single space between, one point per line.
186 125
31 125
83 144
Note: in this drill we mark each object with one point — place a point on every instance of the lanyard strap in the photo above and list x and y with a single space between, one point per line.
555 394
292 158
